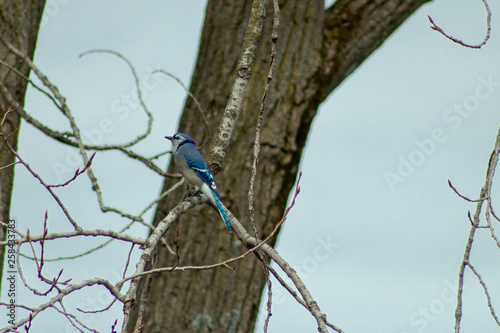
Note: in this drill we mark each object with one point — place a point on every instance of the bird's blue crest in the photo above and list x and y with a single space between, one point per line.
183 136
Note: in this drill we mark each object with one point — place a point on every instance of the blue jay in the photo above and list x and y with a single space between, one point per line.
194 169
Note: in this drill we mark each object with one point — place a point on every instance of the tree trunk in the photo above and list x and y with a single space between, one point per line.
317 49
19 23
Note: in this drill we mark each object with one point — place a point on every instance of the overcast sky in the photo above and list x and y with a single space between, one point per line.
376 233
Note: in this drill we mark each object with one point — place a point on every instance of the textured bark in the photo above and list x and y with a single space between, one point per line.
317 49
19 23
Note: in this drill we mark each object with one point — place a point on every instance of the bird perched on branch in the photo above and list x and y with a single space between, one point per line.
193 167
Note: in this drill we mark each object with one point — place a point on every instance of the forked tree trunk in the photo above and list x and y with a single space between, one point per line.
19 23
317 49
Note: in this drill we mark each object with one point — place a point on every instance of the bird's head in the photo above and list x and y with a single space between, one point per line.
178 140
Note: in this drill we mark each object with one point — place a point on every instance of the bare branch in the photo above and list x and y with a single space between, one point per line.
256 151
198 105
143 300
62 293
488 224
485 193
60 102
483 284
81 232
34 174
77 173
260 120
458 41
462 196
112 238
9 165
220 264
72 318
139 94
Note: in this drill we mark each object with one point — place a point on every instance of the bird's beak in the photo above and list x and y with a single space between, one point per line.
169 138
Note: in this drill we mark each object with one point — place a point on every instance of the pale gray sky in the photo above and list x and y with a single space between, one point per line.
377 255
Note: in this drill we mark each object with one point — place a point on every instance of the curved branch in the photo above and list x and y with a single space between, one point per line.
139 94
198 105
458 41
60 102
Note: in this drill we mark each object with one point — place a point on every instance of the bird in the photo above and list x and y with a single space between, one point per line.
194 169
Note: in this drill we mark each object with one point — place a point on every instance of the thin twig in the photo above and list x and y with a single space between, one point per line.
77 173
143 300
272 64
489 226
98 247
198 105
9 165
177 247
485 193
34 174
458 41
462 196
72 318
82 232
149 115
488 298
260 119
63 293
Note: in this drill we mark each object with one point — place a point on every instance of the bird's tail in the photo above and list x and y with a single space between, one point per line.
222 212
213 196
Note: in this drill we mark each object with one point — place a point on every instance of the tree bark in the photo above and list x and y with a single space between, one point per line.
19 23
317 49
